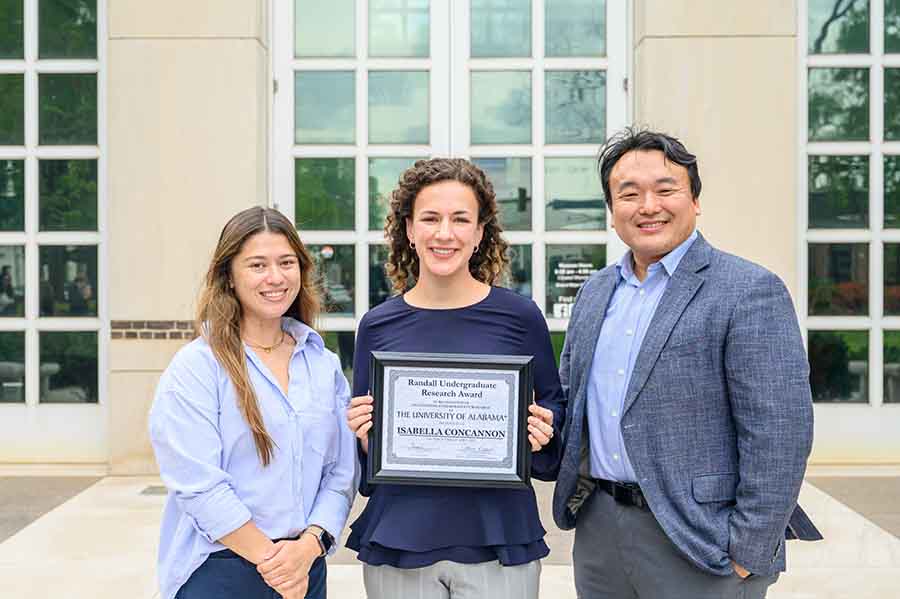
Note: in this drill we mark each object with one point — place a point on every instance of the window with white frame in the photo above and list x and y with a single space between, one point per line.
51 179
527 89
851 198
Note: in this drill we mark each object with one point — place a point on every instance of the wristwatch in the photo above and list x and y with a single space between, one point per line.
326 541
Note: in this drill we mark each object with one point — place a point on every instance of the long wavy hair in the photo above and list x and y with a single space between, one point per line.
488 265
219 312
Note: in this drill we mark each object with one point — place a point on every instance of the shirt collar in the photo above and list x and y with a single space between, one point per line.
670 261
302 333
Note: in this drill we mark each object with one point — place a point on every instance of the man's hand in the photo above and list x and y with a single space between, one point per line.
740 570
286 567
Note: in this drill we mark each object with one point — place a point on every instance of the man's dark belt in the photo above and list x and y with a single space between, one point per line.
625 493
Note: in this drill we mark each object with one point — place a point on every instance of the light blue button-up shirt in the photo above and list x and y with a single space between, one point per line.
627 319
207 457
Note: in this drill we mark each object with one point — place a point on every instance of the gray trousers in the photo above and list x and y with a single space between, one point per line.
449 580
621 552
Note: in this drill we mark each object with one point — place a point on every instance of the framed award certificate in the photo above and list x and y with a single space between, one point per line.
450 419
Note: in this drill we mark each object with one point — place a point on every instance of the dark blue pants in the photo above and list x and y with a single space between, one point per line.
226 575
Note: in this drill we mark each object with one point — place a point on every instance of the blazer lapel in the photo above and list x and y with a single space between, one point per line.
684 285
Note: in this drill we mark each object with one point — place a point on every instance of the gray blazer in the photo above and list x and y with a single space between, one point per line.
718 418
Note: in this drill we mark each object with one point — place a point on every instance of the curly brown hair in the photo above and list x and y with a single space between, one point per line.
488 265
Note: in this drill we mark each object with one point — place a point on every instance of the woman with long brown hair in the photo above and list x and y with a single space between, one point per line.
248 428
447 256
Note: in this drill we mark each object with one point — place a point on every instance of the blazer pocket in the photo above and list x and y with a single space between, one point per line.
715 487
684 346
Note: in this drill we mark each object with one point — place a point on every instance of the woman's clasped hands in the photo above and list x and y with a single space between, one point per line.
285 567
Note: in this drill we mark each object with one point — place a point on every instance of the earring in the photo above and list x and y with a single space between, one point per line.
475 251
412 246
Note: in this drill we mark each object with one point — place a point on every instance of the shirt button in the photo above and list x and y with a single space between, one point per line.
641 292
614 413
629 332
620 372
616 457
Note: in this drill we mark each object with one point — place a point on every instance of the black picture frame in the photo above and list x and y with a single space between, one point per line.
521 367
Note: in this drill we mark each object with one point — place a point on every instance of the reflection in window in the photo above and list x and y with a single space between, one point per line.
380 286
12 367
892 367
568 267
68 367
892 26
558 339
324 28
501 28
398 107
12 110
892 104
324 190
575 27
511 178
892 192
575 107
399 28
838 26
68 280
838 279
67 108
336 271
68 200
342 343
573 196
384 174
839 366
12 280
520 269
324 107
838 104
67 28
12 30
501 107
892 279
838 192
12 195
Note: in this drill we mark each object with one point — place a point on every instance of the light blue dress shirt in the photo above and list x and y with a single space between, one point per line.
627 319
207 457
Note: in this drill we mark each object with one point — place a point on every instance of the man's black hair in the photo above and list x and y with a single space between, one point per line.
633 138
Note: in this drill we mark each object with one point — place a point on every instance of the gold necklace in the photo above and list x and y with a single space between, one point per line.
268 348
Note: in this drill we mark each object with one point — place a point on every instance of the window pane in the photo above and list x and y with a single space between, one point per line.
838 192
892 26
384 173
520 269
380 287
838 27
68 367
838 279
12 110
398 107
573 196
12 367
68 280
891 279
892 192
575 107
324 190
558 339
324 28
568 266
511 178
892 367
501 28
68 200
575 27
68 28
336 270
12 31
12 195
399 28
838 104
501 107
839 366
892 104
342 343
12 280
325 107
68 109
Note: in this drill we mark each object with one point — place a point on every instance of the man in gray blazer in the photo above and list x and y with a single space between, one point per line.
690 415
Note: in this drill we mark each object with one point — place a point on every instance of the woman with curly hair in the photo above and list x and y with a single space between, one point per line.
447 254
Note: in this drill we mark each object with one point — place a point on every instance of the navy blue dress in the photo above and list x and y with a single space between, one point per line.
414 526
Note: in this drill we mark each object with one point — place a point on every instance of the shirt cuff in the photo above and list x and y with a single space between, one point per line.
216 512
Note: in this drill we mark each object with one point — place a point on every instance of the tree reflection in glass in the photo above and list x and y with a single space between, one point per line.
324 28
12 110
501 107
399 28
838 192
839 366
398 107
511 178
324 192
12 195
67 108
324 107
838 279
68 367
12 29
892 279
68 28
892 104
892 192
500 28
891 26
892 367
12 367
68 198
336 272
838 26
838 104
575 107
575 27
384 173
